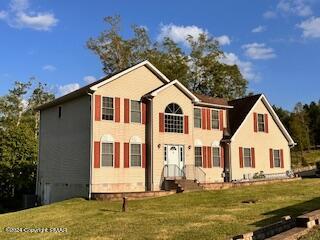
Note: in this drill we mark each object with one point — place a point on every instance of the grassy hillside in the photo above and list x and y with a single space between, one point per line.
195 215
310 158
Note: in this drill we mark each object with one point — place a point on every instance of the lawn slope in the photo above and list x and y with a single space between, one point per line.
195 215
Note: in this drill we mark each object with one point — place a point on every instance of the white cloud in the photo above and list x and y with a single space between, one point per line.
180 33
299 8
3 15
310 27
258 51
49 68
269 14
68 88
295 7
20 15
89 79
223 40
259 29
246 67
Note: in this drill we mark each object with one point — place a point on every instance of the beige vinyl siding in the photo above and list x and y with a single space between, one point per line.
208 138
262 142
170 95
64 151
133 86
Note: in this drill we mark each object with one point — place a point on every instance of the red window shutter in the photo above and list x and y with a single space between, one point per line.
253 157
281 158
126 110
144 155
208 119
203 118
241 157
186 124
96 154
161 122
117 109
204 156
255 122
116 154
126 155
97 107
209 157
221 120
222 157
266 127
271 157
144 113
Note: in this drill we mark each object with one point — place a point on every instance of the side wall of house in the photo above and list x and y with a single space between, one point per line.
64 151
246 137
131 86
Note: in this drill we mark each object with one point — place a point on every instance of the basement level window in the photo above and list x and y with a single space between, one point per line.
60 111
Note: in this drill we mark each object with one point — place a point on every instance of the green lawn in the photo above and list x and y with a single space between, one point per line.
313 235
194 215
311 157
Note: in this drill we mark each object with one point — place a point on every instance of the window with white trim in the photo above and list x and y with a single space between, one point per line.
107 108
276 158
216 156
261 123
215 119
198 156
135 111
247 157
173 118
197 117
135 155
107 154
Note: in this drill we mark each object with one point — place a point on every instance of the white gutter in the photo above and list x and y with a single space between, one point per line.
213 105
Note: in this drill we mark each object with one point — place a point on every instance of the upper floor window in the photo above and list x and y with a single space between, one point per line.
261 123
173 118
198 156
107 154
215 119
216 156
197 118
135 111
107 108
135 155
276 158
247 156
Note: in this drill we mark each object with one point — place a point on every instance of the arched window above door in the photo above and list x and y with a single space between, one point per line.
173 116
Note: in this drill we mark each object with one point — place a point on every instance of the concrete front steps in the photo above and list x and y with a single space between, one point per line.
181 185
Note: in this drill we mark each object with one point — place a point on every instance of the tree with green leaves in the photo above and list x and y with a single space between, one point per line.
19 127
198 67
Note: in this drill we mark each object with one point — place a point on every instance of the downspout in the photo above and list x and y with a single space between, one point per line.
91 140
151 152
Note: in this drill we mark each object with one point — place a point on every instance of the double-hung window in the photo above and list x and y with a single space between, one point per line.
107 108
261 123
216 156
198 156
247 156
135 111
107 154
197 118
135 155
215 119
276 158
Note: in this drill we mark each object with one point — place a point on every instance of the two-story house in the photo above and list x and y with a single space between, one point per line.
131 131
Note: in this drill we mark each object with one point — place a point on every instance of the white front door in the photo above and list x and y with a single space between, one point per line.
174 159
